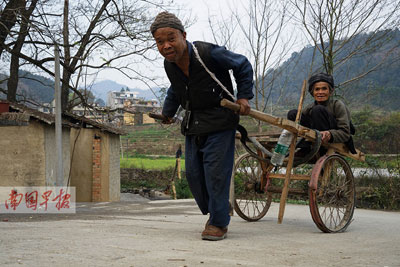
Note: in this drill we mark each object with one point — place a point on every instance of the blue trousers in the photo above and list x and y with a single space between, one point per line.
209 163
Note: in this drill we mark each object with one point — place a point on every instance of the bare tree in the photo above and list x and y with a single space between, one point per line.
8 18
223 29
12 83
92 36
261 28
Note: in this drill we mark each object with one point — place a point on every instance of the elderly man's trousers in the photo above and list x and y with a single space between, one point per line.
209 163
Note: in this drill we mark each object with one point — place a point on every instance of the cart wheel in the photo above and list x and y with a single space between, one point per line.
332 198
251 202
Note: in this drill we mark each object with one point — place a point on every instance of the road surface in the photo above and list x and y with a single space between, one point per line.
139 232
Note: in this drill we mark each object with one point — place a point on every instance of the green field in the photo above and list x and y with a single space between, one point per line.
147 163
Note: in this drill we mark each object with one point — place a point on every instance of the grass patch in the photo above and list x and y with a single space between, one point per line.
148 163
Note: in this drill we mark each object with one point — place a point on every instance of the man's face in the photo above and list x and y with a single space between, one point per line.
171 43
321 91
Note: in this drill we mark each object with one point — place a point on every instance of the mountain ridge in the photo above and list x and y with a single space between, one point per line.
41 89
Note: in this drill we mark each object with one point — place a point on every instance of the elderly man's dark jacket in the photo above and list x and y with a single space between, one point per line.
201 95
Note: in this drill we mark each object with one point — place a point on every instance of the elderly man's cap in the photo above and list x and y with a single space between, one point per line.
320 77
166 19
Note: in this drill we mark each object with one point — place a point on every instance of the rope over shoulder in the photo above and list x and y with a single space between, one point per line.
196 52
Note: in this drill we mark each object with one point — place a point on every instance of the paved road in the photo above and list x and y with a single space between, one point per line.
139 232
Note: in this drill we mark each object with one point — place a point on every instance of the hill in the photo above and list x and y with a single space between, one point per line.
34 87
380 88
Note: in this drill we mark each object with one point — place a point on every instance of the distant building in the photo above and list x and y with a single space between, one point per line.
116 99
124 108
97 114
131 110
47 107
136 112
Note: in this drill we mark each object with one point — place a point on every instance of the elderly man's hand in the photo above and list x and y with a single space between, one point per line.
244 106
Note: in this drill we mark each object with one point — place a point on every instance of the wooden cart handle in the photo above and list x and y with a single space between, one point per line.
157 116
279 122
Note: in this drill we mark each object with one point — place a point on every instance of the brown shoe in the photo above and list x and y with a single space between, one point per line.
214 233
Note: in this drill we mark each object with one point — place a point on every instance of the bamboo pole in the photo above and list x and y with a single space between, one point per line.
285 189
179 168
173 189
173 180
300 107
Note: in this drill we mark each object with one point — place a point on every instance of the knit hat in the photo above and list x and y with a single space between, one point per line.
320 77
166 19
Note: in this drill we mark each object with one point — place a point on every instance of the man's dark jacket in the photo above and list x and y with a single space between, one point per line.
201 95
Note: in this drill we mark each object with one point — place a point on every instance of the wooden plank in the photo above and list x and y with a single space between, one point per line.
344 151
300 107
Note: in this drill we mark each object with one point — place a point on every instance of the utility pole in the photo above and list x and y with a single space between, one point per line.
58 124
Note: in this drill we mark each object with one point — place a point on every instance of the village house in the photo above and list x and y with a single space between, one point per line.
130 109
90 152
136 112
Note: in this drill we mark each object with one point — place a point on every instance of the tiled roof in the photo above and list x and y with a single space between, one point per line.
68 119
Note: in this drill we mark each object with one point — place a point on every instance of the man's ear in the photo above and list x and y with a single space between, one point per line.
184 35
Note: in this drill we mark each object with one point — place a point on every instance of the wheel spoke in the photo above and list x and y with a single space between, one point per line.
251 203
335 196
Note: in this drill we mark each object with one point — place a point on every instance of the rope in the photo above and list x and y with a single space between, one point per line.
196 52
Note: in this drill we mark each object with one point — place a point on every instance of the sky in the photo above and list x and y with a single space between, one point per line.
198 31
200 11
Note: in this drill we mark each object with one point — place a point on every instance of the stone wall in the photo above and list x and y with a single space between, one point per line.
22 157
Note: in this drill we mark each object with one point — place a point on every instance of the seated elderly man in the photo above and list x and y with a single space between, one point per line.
330 116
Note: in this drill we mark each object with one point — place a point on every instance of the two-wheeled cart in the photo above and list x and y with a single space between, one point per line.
330 190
